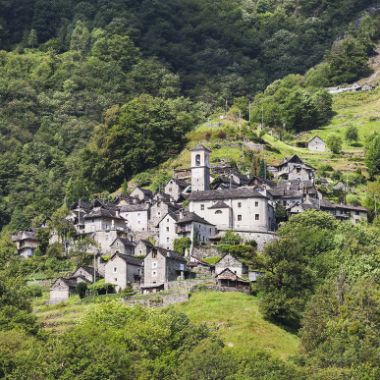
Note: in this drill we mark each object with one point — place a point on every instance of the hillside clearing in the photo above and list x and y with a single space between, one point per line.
239 323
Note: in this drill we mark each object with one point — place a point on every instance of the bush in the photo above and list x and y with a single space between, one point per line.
35 290
334 143
352 134
81 289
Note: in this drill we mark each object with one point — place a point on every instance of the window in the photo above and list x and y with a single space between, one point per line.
115 279
218 212
198 160
202 207
167 229
154 264
239 218
154 273
239 204
167 239
114 269
257 217
167 220
154 254
256 204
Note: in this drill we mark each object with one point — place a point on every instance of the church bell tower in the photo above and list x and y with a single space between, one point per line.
200 168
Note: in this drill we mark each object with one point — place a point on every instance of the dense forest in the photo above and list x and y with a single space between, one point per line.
87 88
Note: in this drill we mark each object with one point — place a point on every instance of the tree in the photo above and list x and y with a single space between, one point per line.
372 155
181 245
352 134
334 143
80 38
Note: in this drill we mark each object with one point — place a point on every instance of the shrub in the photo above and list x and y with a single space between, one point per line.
352 134
334 143
81 289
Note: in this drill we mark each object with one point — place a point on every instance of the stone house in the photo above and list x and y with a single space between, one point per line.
227 279
87 273
233 264
316 144
78 211
123 270
294 168
26 242
197 229
167 230
159 210
122 245
63 288
136 216
142 194
160 267
102 219
143 247
176 188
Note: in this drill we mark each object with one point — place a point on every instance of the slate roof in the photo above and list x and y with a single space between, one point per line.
193 217
134 207
227 274
214 195
171 255
200 147
126 242
128 259
102 213
219 204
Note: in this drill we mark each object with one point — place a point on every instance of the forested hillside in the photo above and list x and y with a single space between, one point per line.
88 88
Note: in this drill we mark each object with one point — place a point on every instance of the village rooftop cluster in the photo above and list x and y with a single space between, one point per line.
138 232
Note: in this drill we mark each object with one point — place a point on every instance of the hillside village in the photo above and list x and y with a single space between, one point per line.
133 239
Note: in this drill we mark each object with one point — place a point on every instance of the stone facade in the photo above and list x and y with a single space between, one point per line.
230 262
162 266
136 216
122 245
200 169
123 270
316 144
247 209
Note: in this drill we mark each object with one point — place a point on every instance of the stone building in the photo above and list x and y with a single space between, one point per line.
197 229
122 245
233 264
87 273
200 169
61 290
175 189
243 210
136 216
123 270
167 230
316 144
26 242
142 194
160 267
294 168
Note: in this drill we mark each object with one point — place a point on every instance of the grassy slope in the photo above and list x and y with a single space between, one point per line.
234 315
239 323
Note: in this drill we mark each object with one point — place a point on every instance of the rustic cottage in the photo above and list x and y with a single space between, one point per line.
232 263
123 270
162 266
26 242
316 144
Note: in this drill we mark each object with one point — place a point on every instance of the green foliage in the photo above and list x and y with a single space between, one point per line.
334 143
81 288
348 61
181 245
290 105
372 155
352 134
339 328
128 144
